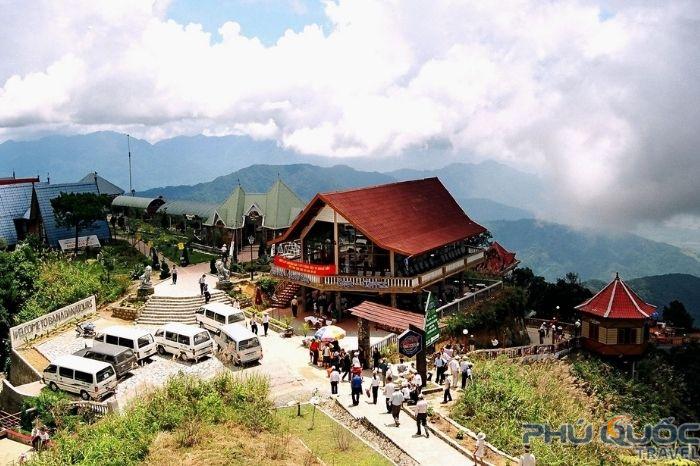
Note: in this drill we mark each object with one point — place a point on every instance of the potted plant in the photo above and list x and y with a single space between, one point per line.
288 329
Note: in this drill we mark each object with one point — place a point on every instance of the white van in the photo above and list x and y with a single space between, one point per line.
139 340
86 377
184 341
239 343
213 316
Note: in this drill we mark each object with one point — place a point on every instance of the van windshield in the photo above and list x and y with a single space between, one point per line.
105 374
145 340
248 344
238 317
201 338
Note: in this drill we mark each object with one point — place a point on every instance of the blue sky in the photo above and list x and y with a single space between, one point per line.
265 19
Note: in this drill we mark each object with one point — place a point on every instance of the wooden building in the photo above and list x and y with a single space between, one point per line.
615 321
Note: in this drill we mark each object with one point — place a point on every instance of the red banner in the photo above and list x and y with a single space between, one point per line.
303 267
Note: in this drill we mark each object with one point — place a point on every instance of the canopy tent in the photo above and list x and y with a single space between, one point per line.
386 316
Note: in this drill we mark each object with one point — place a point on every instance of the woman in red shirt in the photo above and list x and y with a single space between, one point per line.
313 352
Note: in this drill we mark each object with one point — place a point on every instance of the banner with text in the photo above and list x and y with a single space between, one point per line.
303 267
83 242
46 323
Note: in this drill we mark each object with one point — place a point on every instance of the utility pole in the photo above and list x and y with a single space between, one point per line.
128 145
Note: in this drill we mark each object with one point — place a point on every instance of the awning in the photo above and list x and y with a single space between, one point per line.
386 316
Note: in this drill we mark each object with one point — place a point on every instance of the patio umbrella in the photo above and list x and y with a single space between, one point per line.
329 333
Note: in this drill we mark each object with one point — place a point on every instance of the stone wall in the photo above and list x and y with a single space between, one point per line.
21 371
125 313
10 399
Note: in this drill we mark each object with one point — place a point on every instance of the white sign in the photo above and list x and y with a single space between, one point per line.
46 323
83 242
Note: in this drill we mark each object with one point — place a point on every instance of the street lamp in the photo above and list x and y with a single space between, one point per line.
251 240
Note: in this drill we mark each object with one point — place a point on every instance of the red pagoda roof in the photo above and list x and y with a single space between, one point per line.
498 260
409 217
617 301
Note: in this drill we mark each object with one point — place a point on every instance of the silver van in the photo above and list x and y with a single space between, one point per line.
213 316
184 341
139 340
86 377
239 344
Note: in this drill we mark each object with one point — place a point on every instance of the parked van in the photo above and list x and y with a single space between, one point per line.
239 343
139 340
122 359
184 341
86 377
213 316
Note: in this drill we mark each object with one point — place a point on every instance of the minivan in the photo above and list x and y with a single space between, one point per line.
122 359
213 316
184 341
86 377
239 343
139 340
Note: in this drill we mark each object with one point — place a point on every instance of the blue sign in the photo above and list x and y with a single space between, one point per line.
410 343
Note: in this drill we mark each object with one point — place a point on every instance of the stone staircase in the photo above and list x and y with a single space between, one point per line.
284 293
160 310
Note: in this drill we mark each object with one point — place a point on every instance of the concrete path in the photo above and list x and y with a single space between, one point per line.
10 451
427 451
187 281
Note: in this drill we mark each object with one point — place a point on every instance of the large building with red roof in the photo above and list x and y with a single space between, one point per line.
615 321
389 242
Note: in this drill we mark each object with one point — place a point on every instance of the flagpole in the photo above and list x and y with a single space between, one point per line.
128 145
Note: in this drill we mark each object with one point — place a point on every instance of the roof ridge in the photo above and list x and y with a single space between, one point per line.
634 301
612 297
374 186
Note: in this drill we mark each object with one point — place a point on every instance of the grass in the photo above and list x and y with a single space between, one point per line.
328 440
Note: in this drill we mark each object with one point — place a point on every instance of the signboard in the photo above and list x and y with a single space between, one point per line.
303 267
432 321
410 343
83 242
46 323
181 246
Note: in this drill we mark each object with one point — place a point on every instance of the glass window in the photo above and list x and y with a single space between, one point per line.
170 336
626 336
126 342
51 369
145 340
183 339
210 314
83 376
200 310
111 339
64 372
201 338
105 374
125 355
248 344
220 319
159 333
239 317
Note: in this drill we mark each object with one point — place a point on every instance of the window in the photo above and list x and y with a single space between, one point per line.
126 342
51 369
200 311
159 333
111 339
128 354
183 339
626 336
220 319
248 344
201 338
63 372
593 331
83 377
170 336
236 318
210 314
145 340
105 374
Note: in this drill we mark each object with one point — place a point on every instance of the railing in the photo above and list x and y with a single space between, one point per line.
530 351
350 281
295 276
100 408
9 421
391 339
460 304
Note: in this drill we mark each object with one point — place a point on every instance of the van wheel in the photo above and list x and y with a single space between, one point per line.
183 357
84 395
53 386
161 350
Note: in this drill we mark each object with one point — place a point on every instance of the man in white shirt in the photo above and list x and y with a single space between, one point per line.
418 381
527 458
396 402
464 369
422 415
266 321
388 392
454 368
335 378
447 395
202 281
439 369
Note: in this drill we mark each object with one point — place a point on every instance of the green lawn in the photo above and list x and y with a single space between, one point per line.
327 437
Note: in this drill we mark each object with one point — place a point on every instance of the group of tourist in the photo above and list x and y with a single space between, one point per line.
451 366
556 330
204 288
255 322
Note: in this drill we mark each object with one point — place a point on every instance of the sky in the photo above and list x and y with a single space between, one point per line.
598 97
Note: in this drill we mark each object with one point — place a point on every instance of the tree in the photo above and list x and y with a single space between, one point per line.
676 314
79 210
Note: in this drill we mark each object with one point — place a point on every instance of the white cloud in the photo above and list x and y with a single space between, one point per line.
599 98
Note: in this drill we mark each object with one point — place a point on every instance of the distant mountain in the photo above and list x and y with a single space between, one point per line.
305 179
662 289
485 210
552 250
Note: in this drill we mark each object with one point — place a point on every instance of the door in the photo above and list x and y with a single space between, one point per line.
65 379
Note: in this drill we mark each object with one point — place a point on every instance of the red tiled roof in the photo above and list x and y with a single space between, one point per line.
617 301
410 217
498 260
387 316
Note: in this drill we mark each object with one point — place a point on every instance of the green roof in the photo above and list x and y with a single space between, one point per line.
279 206
133 201
198 209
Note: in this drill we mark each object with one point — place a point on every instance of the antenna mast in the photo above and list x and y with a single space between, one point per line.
128 145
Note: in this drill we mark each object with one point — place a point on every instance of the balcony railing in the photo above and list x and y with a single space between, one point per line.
378 283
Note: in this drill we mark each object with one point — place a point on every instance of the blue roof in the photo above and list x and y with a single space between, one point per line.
46 192
15 201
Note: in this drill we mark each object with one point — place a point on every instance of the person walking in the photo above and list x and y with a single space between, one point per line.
313 352
174 274
541 332
375 386
202 283
527 458
295 306
418 382
207 295
464 369
577 328
447 395
389 389
347 365
454 368
396 402
422 416
266 321
254 324
439 369
376 355
356 389
335 378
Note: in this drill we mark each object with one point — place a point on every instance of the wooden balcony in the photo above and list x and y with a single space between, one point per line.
380 284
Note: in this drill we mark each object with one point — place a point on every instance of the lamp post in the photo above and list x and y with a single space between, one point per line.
251 240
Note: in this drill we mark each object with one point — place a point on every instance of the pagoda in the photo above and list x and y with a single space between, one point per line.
614 321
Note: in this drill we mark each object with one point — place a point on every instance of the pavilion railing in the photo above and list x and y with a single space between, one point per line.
349 281
391 339
460 304
530 352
